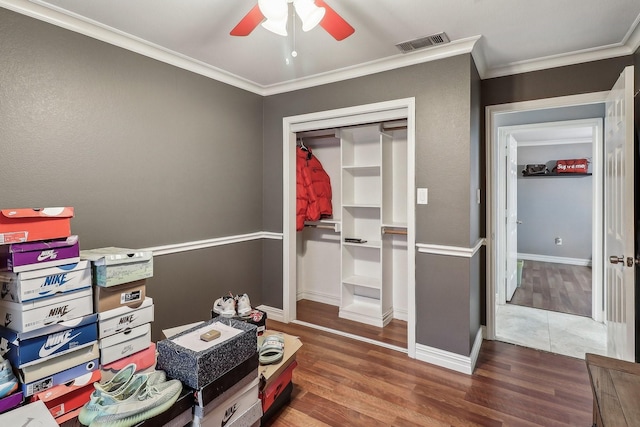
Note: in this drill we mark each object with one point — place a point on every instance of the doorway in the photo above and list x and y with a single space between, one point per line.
525 126
403 109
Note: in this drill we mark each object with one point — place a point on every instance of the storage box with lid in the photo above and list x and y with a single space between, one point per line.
114 266
122 318
125 343
30 224
27 256
130 294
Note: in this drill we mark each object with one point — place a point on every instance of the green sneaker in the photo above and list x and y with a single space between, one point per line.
138 402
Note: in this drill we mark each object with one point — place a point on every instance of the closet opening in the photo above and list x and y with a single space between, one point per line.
353 272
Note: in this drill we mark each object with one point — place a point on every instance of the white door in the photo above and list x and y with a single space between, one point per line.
512 217
619 221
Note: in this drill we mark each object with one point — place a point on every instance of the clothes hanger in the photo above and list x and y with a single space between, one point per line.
301 145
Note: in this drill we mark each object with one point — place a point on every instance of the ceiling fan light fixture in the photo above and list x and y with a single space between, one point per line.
276 13
309 13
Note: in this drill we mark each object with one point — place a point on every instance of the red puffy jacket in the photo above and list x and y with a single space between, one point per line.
313 189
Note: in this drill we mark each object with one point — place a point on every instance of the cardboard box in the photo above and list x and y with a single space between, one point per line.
230 405
144 360
282 400
129 294
45 343
122 318
33 414
45 282
114 266
269 394
59 370
125 343
30 224
197 363
269 373
31 315
255 317
19 257
65 398
9 402
211 391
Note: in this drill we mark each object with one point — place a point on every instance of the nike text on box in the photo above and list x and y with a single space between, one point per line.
45 282
59 370
31 224
124 344
20 257
197 363
123 318
24 350
29 316
130 294
230 405
115 266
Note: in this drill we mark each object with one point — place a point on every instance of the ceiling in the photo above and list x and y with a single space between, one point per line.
505 36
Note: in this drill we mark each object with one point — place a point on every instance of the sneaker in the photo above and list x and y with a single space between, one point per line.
243 304
225 306
8 381
139 401
113 390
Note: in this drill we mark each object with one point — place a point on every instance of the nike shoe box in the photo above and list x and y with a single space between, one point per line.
196 362
125 317
59 370
9 402
28 348
211 391
20 257
45 282
129 294
125 343
33 414
255 317
230 405
179 415
280 402
269 394
31 224
32 315
144 360
64 398
115 266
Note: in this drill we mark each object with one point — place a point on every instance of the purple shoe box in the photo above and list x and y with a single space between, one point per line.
11 401
27 256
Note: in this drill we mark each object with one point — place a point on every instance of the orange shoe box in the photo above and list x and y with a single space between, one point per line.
145 361
64 398
30 224
269 394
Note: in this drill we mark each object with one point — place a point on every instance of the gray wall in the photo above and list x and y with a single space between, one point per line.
148 154
555 206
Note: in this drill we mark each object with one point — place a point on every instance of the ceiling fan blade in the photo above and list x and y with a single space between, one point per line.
333 23
247 24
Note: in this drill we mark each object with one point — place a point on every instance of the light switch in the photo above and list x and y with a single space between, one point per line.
423 196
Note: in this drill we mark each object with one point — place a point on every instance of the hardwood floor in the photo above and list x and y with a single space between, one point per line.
395 333
344 382
556 287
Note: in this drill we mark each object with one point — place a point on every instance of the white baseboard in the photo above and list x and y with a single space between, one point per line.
320 297
272 313
401 314
555 259
453 361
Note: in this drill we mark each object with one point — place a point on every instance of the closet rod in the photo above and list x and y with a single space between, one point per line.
333 135
392 231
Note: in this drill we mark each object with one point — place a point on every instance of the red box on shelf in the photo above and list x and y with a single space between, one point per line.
277 386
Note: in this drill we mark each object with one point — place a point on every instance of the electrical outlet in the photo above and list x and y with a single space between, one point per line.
558 241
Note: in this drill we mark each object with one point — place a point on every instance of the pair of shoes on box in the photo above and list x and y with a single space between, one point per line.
230 306
8 380
129 398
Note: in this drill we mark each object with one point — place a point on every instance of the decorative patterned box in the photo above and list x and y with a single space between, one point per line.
114 266
196 362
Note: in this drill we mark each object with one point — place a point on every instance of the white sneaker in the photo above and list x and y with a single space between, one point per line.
225 306
243 304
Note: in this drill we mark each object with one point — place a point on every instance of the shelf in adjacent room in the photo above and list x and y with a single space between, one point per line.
558 175
368 244
363 281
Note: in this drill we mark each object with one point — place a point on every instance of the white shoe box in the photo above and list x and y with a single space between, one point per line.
124 343
123 318
28 316
231 405
45 282
114 266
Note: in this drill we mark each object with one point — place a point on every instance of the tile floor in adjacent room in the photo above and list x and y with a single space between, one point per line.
550 331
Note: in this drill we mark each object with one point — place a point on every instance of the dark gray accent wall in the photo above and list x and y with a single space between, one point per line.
148 154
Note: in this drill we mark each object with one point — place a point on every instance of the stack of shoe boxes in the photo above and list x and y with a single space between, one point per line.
223 371
124 311
49 330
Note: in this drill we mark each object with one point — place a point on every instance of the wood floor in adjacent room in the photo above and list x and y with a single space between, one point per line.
555 287
347 383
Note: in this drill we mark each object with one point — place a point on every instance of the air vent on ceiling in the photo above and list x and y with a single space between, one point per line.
423 42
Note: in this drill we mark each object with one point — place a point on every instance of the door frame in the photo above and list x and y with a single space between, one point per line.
496 184
369 113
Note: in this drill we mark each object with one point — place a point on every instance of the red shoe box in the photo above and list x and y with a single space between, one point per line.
28 225
65 398
271 392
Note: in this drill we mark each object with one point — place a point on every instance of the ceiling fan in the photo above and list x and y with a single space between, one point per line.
276 13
